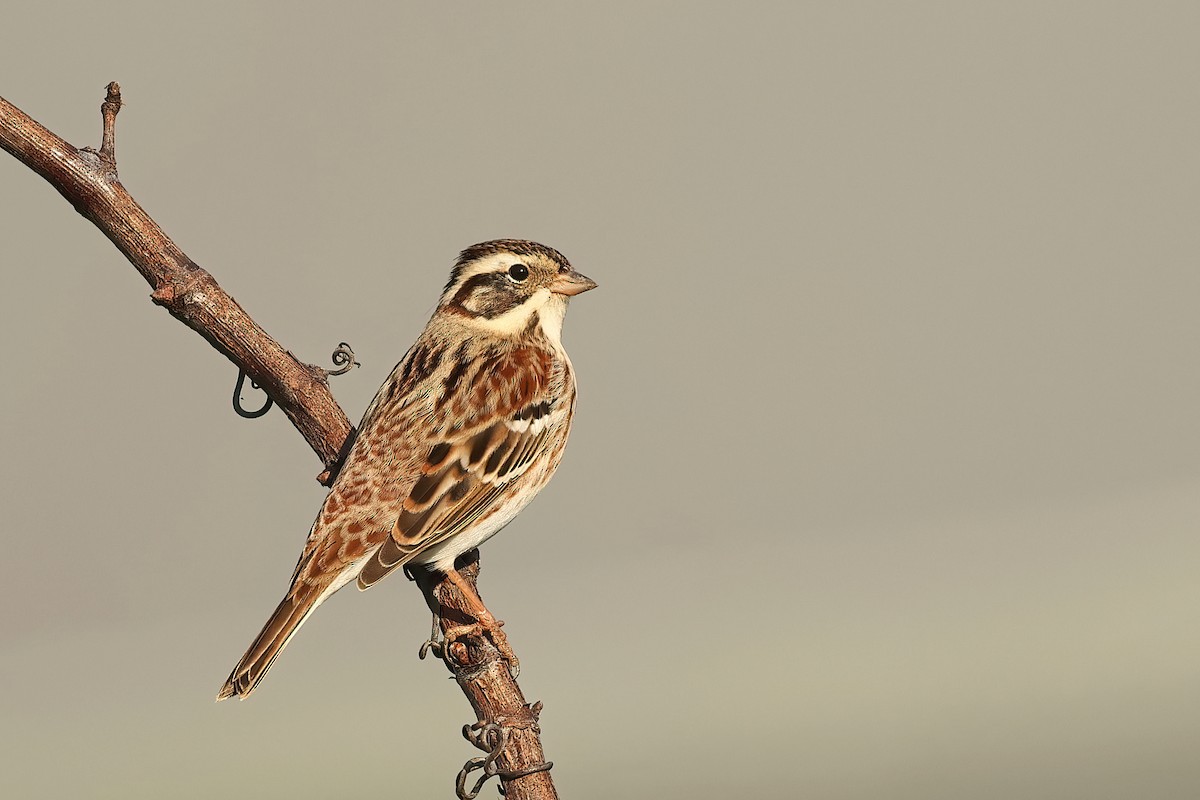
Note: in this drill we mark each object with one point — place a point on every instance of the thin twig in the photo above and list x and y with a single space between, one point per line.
108 111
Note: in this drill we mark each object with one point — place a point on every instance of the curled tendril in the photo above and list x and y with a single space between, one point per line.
343 359
237 399
492 738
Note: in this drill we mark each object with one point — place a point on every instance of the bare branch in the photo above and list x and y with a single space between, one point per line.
88 179
484 678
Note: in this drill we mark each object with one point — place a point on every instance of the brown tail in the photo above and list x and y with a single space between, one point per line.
280 628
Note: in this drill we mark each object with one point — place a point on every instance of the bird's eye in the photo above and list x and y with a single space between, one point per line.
518 272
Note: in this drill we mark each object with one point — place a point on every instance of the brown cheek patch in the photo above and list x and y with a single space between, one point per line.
488 295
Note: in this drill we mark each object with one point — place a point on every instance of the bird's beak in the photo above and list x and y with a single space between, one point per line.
571 283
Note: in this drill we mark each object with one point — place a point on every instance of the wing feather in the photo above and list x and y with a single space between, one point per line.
469 468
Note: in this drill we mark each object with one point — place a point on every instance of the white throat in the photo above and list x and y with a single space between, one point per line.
551 317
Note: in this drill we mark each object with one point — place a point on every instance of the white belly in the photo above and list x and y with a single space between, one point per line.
441 556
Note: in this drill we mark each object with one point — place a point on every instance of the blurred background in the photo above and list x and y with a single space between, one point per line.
885 480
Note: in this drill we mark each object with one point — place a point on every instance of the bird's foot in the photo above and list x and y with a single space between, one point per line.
436 643
485 624
489 626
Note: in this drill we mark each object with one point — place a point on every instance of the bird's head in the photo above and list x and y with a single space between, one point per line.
508 285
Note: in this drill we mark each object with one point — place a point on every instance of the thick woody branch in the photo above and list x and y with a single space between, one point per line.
87 178
484 678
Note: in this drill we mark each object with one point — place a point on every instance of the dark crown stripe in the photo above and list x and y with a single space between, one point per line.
518 247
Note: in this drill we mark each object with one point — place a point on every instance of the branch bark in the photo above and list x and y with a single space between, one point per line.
87 178
484 678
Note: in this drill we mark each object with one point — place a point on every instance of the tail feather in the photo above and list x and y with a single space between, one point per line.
275 635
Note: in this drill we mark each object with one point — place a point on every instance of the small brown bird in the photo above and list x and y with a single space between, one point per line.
469 426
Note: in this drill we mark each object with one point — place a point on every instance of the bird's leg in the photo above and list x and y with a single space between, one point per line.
484 623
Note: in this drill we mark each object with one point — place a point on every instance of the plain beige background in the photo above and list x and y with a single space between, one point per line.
885 477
